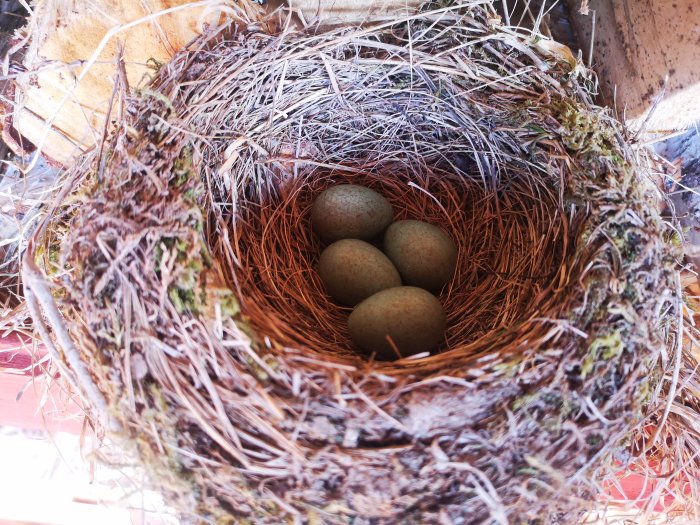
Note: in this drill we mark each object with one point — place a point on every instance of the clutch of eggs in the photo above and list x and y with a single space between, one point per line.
389 320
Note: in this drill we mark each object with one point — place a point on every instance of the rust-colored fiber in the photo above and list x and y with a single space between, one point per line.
510 252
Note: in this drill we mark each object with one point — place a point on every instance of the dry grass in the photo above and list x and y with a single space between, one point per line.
184 306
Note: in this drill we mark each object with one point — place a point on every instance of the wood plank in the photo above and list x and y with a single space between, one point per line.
637 45
353 11
73 94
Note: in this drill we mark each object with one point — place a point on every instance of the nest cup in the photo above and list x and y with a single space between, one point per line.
194 323
510 249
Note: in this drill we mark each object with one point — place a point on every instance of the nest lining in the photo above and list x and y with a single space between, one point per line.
192 301
281 294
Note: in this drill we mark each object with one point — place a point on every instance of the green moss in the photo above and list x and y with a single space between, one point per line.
603 347
631 245
193 194
257 370
509 368
673 238
522 401
644 393
583 132
164 459
595 440
166 245
186 293
229 303
149 93
538 129
552 425
183 170
183 300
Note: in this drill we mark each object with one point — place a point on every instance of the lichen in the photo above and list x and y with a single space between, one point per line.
603 347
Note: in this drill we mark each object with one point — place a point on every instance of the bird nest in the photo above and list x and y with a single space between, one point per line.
181 297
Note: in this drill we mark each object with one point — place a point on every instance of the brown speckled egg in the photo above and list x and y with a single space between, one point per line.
424 254
349 211
352 270
411 317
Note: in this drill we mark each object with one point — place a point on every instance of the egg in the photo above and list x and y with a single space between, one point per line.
349 211
424 254
351 270
411 317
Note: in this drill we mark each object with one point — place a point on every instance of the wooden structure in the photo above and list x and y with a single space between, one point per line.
71 63
353 11
647 55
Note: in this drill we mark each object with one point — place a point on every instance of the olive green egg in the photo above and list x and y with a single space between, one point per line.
349 211
351 270
424 254
411 317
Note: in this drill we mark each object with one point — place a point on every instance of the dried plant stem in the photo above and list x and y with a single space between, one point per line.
40 303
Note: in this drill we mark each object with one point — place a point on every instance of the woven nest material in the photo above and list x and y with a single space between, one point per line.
188 313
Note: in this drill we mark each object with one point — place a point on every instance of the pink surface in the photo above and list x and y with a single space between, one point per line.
26 403
642 489
16 356
25 400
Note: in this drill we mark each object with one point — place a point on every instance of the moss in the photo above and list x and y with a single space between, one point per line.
509 368
257 370
552 425
149 93
523 401
595 440
157 416
228 302
644 393
401 83
629 293
189 292
338 509
538 129
583 132
603 347
597 292
673 237
48 257
183 300
193 194
165 245
632 246
183 170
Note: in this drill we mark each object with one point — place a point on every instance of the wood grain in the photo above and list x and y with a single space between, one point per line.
638 45
67 33
333 12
